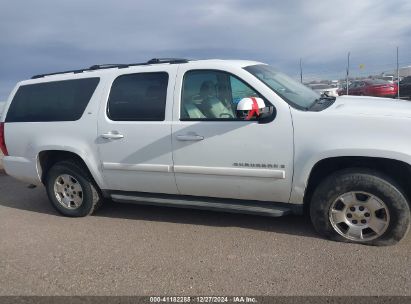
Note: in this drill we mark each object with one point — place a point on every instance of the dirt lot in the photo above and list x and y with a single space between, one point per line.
141 250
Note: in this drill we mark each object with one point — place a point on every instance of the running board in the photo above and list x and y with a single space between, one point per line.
215 204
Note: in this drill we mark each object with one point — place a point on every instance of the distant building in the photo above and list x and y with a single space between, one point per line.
404 72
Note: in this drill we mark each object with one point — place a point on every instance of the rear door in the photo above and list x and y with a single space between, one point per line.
135 131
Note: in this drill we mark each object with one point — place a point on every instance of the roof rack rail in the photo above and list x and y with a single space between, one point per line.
57 73
167 60
119 66
107 66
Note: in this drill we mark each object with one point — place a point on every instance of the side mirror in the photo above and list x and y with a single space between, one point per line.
265 113
251 108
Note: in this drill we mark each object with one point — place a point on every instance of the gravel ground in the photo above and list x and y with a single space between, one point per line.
142 250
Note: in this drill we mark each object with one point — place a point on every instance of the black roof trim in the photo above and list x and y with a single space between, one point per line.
106 66
119 66
167 60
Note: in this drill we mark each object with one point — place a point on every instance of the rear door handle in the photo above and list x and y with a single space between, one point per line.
112 135
190 137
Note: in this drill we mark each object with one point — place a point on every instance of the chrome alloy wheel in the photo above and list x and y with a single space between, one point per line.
359 216
68 191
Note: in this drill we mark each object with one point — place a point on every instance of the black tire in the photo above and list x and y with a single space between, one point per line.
91 197
361 180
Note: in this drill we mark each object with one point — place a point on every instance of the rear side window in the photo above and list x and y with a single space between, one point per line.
138 97
52 101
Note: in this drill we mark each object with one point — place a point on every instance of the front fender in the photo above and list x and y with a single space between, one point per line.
304 166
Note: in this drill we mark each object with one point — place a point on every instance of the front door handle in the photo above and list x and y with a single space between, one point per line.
190 137
112 135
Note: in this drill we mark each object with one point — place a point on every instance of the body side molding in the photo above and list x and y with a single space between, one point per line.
264 173
242 172
138 167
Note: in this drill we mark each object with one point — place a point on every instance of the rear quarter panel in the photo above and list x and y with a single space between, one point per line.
25 140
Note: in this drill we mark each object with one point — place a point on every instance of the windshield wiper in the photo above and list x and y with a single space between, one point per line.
321 100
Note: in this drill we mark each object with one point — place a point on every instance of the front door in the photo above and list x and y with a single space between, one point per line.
217 154
135 132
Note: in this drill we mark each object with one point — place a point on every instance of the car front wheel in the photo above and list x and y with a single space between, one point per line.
360 206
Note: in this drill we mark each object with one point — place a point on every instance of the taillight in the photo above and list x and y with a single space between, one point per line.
2 140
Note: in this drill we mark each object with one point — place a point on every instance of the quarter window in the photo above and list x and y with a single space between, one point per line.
138 97
212 95
52 101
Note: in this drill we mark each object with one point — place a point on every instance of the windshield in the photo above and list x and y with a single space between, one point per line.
293 92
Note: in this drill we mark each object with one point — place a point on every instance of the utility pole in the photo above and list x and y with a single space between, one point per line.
301 71
348 70
398 76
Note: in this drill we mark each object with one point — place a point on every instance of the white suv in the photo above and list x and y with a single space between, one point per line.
178 133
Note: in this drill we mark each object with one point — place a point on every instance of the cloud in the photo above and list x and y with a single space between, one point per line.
46 35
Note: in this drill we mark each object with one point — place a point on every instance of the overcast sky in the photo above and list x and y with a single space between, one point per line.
47 35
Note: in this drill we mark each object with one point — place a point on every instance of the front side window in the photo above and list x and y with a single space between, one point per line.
52 101
138 97
212 95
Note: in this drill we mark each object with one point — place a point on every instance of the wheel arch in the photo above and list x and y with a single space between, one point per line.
397 170
47 158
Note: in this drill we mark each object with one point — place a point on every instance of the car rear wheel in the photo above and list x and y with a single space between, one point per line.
71 190
360 206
